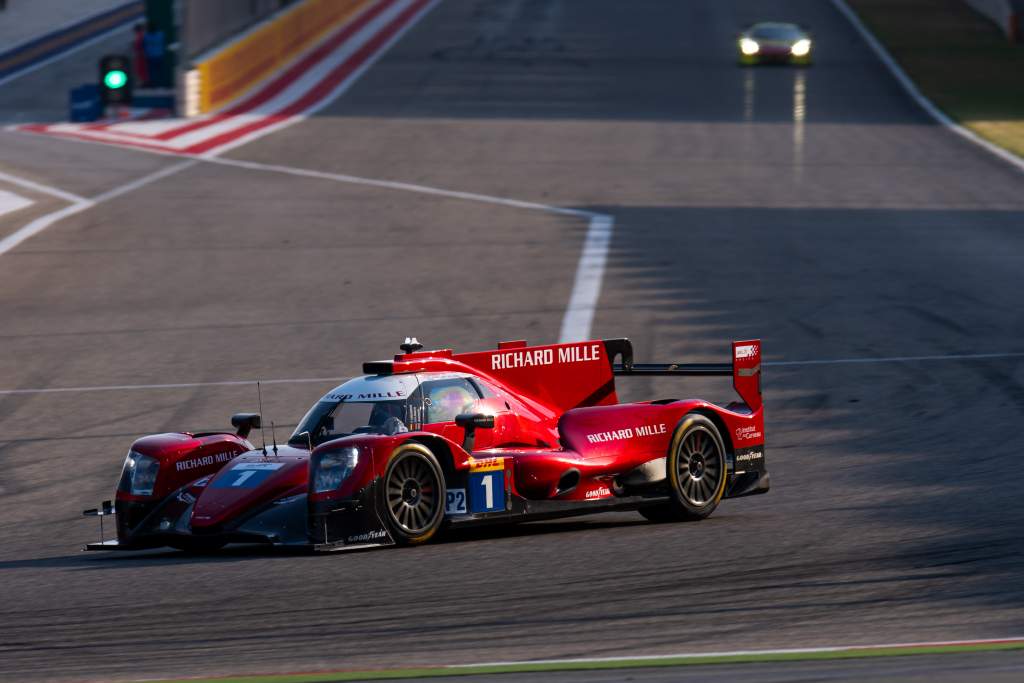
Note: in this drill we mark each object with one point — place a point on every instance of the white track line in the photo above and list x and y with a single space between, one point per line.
81 204
10 202
307 380
145 180
41 189
586 288
894 359
178 385
398 185
750 653
579 313
916 95
39 224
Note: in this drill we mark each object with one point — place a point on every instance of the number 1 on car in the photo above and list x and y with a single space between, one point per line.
487 491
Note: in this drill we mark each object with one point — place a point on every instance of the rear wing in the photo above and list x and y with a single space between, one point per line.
745 367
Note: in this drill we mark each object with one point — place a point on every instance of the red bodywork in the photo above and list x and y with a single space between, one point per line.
560 436
556 414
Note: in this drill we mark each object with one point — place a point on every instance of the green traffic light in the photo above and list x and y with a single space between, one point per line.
115 79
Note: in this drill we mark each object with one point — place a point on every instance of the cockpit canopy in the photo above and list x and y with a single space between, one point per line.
776 32
388 405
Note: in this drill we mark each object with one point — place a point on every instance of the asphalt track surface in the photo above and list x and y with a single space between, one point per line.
817 209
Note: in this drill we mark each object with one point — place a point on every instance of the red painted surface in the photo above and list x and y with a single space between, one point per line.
562 414
185 458
217 504
555 411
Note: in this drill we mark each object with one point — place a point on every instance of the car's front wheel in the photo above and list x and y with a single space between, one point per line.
696 469
413 495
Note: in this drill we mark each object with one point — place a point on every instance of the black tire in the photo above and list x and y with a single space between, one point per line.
412 495
696 471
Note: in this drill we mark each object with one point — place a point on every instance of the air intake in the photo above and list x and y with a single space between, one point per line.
568 482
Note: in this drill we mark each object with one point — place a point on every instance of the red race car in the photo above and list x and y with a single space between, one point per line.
434 438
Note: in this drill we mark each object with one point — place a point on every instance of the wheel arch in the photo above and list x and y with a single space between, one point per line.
441 449
723 429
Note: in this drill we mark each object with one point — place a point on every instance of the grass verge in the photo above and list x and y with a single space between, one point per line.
959 60
625 663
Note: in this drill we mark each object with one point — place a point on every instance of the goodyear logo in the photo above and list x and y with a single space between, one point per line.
486 464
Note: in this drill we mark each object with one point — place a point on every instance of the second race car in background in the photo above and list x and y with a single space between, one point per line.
774 42
435 438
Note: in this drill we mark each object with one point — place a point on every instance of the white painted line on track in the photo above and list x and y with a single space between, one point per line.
308 380
145 180
10 202
39 224
81 204
177 385
41 189
750 653
586 288
579 313
578 318
398 185
915 94
894 359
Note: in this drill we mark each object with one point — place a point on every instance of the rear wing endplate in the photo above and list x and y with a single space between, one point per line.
745 368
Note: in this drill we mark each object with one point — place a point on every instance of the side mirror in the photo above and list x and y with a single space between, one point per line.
475 421
472 422
245 423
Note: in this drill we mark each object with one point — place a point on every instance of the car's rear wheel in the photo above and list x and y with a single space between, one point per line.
413 495
696 471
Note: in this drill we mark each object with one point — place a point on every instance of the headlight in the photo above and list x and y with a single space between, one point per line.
139 474
332 468
749 47
801 48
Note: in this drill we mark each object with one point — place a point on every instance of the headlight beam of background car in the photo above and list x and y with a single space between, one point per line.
774 43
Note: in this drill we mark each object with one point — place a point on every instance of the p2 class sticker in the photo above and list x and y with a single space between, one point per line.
456 502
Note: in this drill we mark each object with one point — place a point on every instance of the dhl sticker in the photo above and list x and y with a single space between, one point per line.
486 464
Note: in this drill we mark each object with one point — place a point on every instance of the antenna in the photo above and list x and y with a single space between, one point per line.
263 432
273 435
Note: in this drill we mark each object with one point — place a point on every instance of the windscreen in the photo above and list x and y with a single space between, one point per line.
334 419
777 32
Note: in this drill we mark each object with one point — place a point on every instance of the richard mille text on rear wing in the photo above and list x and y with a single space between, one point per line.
435 438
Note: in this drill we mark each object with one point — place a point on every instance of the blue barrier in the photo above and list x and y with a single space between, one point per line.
45 47
85 103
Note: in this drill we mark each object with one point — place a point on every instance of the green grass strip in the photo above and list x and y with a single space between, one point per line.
958 59
534 667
